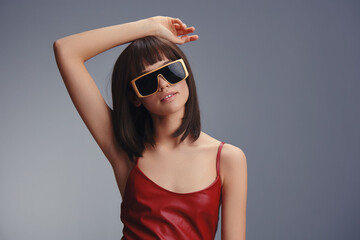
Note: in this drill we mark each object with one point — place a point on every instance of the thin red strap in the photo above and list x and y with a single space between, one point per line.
218 158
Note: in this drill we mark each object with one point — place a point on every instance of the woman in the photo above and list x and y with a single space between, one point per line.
163 163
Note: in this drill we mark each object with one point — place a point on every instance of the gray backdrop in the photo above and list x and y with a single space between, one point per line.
279 79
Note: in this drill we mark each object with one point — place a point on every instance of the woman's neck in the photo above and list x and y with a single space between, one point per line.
164 127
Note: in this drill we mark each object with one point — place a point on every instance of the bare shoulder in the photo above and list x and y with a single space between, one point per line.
233 162
232 158
232 155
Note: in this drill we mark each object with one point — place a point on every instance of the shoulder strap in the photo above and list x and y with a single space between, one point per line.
218 158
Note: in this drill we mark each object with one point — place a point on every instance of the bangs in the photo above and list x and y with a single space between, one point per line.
148 51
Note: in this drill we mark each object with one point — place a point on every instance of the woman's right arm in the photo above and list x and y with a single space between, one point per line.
73 51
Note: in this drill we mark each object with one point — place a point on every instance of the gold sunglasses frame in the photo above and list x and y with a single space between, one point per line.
137 91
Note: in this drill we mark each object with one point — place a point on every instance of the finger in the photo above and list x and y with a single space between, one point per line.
185 38
185 31
177 26
188 30
190 38
179 23
181 27
193 37
192 28
176 21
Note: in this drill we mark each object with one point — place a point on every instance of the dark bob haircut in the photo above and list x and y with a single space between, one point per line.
133 126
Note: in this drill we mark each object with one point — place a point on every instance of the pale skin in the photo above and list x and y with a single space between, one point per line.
196 161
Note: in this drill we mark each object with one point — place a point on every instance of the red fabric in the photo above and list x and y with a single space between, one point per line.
149 211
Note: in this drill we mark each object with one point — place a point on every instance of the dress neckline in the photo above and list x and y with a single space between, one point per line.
172 192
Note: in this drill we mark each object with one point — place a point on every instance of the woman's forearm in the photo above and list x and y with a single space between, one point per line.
88 44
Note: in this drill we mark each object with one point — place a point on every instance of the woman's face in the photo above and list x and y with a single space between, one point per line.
156 104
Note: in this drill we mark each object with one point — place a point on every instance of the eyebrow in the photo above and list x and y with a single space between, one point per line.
143 72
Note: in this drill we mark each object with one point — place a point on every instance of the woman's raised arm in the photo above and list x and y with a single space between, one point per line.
88 44
72 51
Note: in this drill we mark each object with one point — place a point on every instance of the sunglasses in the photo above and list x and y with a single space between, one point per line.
148 84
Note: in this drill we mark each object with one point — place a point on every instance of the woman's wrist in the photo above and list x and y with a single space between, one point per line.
149 27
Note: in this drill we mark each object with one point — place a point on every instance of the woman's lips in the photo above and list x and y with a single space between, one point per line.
169 99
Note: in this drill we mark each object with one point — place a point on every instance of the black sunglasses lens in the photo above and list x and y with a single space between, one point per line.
147 84
174 72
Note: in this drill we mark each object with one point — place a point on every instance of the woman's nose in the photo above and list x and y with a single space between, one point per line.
162 82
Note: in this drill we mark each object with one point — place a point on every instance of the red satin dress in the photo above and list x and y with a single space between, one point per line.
149 211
